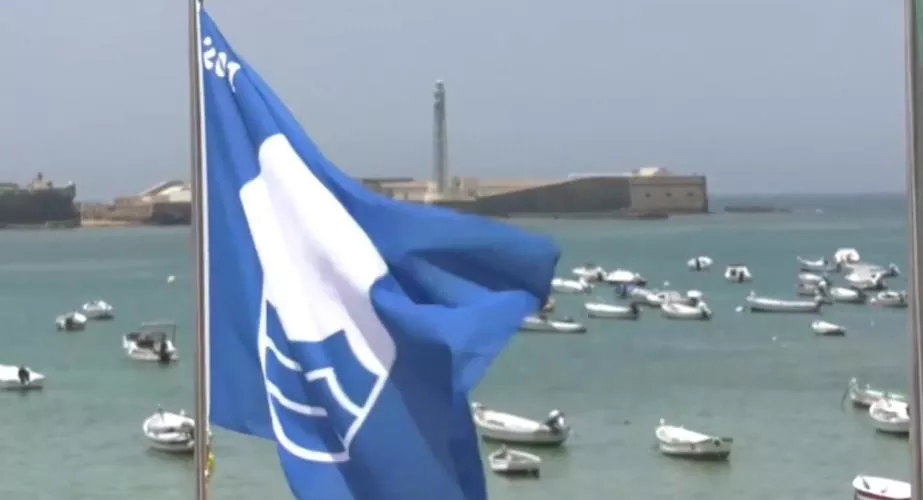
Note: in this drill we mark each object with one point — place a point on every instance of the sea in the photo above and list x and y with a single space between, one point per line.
765 380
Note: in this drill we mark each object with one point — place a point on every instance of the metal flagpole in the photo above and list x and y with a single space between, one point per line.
914 196
197 148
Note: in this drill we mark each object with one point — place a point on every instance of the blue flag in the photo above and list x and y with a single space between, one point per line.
347 327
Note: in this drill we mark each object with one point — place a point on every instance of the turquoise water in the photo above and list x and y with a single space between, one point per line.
80 438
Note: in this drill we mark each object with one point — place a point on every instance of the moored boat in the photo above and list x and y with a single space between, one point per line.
826 328
505 427
613 311
681 442
880 488
98 309
890 416
71 322
155 341
20 378
700 263
766 304
890 298
542 323
737 273
865 395
512 462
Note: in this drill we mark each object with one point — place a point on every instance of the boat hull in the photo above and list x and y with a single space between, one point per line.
495 435
606 311
715 449
32 385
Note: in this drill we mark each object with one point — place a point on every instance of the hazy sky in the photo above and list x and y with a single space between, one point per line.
760 95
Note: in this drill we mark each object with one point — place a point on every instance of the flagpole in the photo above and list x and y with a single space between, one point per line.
197 164
914 196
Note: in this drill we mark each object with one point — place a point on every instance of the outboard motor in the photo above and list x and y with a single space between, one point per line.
23 375
634 308
68 323
163 355
555 421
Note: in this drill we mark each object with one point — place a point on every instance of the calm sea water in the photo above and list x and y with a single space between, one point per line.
80 438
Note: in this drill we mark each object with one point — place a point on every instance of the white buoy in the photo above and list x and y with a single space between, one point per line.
171 278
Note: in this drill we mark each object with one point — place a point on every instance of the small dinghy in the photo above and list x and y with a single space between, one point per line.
71 322
542 323
690 298
20 378
865 396
681 442
638 294
737 273
769 305
562 285
811 278
825 328
820 265
890 416
508 428
880 488
807 289
846 256
170 432
700 263
510 462
152 342
98 309
613 311
625 277
675 310
845 294
890 298
590 272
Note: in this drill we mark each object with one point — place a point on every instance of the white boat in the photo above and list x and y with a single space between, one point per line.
845 294
681 442
20 378
825 328
542 323
638 294
880 488
590 272
508 428
690 298
864 280
154 341
563 285
818 265
766 304
98 309
811 278
675 310
614 311
890 298
807 289
624 277
71 322
737 274
170 432
865 396
700 263
846 256
889 271
890 416
514 462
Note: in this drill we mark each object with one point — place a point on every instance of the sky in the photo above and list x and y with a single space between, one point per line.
761 96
